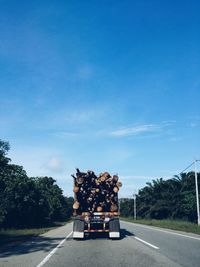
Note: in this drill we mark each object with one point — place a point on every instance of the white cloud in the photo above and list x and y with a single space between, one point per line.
175 139
78 116
54 165
81 116
169 122
136 177
65 134
135 130
193 124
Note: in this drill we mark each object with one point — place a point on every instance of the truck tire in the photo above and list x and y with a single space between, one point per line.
114 228
78 229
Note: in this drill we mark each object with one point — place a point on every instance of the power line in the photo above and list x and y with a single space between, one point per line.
187 167
190 165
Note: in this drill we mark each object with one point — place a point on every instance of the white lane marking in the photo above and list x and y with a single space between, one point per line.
164 231
145 242
53 251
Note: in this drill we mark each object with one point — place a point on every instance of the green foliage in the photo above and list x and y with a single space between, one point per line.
4 148
171 199
28 202
126 207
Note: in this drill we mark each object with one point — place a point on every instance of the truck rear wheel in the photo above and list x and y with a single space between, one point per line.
114 228
78 229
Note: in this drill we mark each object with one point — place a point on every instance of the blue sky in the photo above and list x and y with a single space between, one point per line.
101 85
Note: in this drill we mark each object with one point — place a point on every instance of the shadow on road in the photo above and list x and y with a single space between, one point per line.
34 244
42 243
123 234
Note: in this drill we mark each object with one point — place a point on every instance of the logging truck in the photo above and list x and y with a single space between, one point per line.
95 207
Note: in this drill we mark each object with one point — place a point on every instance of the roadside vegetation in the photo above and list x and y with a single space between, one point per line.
28 202
172 199
15 236
169 224
165 203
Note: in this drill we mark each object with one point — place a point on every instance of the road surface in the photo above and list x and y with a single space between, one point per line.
140 246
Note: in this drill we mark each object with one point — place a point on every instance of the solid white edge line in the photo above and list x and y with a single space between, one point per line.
145 242
164 231
53 251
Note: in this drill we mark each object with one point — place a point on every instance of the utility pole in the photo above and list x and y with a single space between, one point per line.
135 210
197 191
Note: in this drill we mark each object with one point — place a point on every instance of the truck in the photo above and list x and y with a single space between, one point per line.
96 207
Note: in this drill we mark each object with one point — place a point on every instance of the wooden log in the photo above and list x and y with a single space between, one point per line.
97 182
76 205
119 184
93 193
73 176
106 174
107 200
78 173
89 199
99 208
76 189
112 196
115 189
113 207
102 178
110 181
79 180
115 178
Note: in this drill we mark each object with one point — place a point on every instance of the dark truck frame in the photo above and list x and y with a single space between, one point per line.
96 222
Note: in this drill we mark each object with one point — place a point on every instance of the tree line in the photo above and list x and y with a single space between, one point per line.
37 201
174 198
28 201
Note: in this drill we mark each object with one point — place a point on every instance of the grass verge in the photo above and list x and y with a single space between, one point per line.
16 236
169 224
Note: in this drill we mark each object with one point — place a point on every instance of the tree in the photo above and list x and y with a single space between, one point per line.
170 199
27 202
4 148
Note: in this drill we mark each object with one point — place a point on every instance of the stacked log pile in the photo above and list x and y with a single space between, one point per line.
95 193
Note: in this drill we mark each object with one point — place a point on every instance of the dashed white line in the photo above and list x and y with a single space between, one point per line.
53 251
145 242
164 231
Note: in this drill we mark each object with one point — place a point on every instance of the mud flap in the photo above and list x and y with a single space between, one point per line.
114 228
78 229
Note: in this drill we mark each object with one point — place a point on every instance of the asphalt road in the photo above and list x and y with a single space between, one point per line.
140 246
